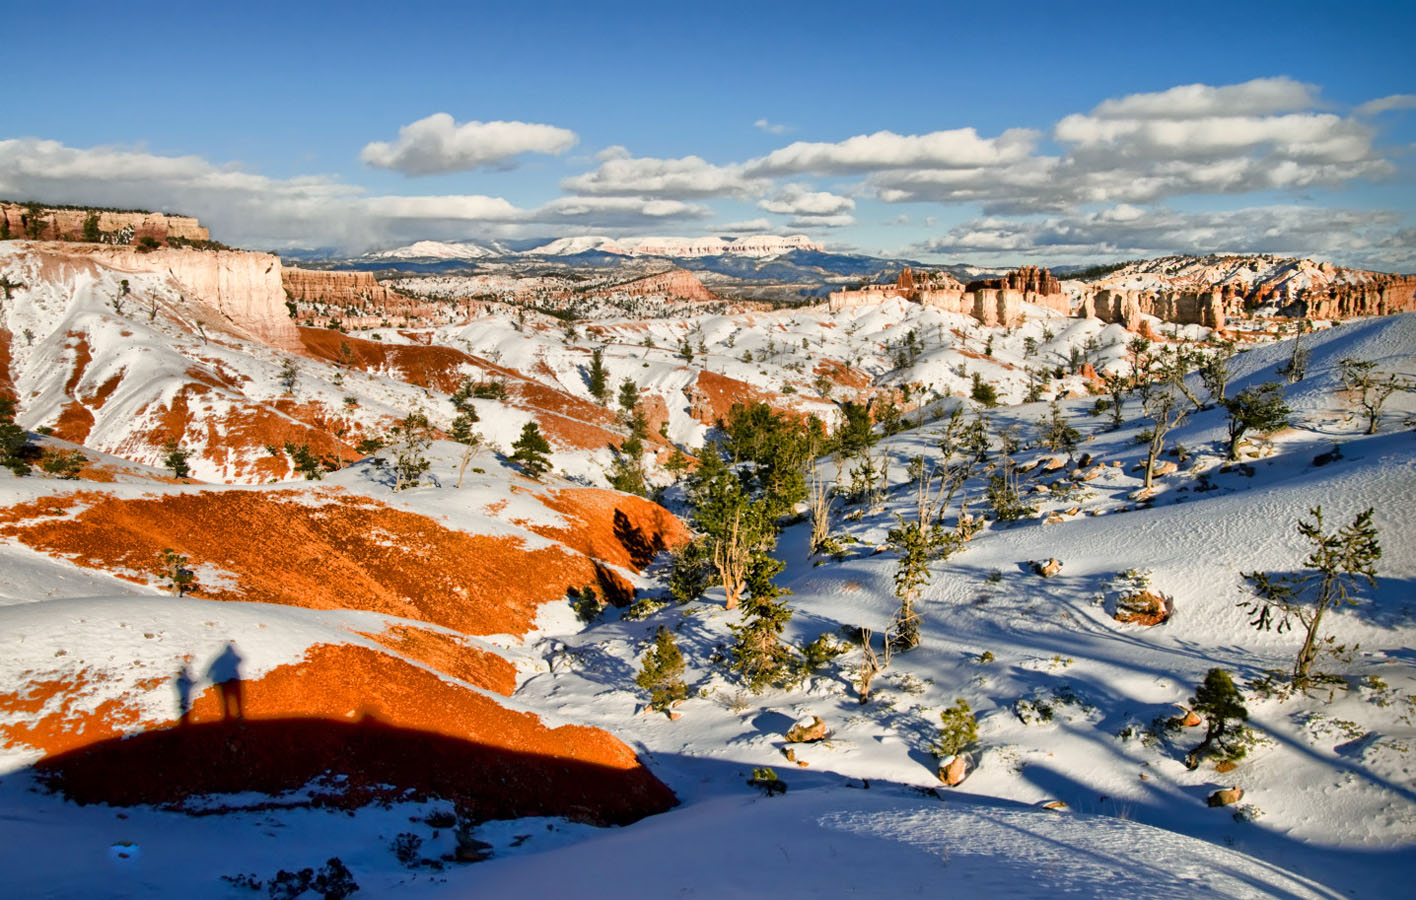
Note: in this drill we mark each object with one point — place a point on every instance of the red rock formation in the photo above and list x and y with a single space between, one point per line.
358 300
1383 296
1028 279
68 224
676 283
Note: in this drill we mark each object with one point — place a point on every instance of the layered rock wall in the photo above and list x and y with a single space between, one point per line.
677 283
1183 307
68 224
1383 297
992 301
358 300
243 286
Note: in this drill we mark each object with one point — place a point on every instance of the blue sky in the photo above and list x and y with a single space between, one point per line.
1041 132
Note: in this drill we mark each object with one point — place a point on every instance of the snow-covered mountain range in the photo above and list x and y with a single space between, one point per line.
754 246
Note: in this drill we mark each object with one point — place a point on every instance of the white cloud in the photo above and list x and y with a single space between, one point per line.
771 127
750 226
833 221
1386 104
1259 97
690 176
798 199
958 148
1122 231
437 145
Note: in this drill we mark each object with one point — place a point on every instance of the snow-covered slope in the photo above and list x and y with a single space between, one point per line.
439 607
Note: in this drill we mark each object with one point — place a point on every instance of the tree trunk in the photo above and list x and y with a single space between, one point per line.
1310 640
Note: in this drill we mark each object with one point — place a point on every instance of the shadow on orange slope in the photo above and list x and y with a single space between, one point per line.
347 765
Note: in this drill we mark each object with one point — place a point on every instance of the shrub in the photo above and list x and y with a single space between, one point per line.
1222 706
661 673
958 730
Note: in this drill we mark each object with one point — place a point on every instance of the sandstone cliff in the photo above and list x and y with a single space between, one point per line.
68 224
243 286
675 283
358 300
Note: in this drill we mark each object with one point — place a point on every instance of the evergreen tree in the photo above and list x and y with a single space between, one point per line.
461 430
1337 565
1258 409
1214 370
732 525
532 451
691 570
1368 390
1222 707
91 232
1056 433
410 440
14 440
598 379
759 654
958 730
911 574
661 673
627 472
175 458
175 572
628 396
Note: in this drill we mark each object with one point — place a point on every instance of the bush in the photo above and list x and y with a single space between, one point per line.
1222 706
983 392
661 673
586 603
958 731
766 780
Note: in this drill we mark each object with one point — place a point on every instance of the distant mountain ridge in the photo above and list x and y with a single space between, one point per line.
756 246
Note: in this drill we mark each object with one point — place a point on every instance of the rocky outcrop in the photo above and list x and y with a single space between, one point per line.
678 284
68 224
992 301
1383 296
358 300
1127 308
243 286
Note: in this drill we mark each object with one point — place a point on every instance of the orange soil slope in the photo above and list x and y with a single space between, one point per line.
388 728
568 420
349 552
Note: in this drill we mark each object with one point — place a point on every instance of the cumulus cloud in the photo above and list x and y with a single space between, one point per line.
799 200
1124 230
437 145
1259 97
750 226
771 127
689 176
1386 104
833 221
1145 148
958 148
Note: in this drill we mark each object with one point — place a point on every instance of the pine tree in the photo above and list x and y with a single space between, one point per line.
461 430
661 673
1338 564
911 574
1368 390
410 440
14 440
1222 707
958 730
532 451
175 572
1258 409
759 654
627 471
732 525
175 458
598 379
628 396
